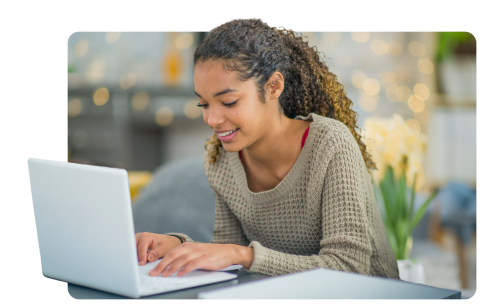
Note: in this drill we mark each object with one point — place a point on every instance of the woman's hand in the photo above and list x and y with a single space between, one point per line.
159 245
190 256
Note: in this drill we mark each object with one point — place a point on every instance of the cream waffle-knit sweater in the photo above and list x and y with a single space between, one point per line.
322 214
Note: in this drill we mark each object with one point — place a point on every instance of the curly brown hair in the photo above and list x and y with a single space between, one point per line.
255 50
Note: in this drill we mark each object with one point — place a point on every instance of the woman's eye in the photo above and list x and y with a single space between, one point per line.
227 105
231 104
202 105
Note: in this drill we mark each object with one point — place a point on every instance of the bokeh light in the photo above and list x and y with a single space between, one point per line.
140 101
128 80
81 48
358 78
371 86
368 102
343 60
425 66
360 37
395 48
331 37
164 116
391 92
403 93
95 71
100 97
112 37
184 40
74 108
191 109
415 103
379 47
417 49
422 91
388 78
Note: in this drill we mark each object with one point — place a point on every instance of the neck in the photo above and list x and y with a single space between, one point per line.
274 149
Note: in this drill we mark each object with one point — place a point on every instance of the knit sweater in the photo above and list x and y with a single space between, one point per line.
322 214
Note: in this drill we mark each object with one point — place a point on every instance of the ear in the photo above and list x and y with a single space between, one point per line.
275 85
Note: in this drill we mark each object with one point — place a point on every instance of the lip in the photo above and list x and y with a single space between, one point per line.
224 131
229 137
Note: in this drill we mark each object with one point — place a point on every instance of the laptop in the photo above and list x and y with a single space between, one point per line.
86 232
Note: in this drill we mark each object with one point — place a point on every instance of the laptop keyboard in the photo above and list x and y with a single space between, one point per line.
152 284
158 284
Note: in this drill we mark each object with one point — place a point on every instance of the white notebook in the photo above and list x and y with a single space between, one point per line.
324 283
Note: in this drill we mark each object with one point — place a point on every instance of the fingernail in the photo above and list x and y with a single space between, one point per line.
151 257
153 272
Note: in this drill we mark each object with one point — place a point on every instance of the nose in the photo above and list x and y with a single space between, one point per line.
215 117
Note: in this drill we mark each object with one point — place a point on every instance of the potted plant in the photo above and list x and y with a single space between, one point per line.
455 58
397 151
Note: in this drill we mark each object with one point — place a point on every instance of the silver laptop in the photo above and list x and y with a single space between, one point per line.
86 234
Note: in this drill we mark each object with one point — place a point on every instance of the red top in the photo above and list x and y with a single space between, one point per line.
305 134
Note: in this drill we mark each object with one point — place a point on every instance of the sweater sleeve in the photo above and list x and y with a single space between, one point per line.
345 244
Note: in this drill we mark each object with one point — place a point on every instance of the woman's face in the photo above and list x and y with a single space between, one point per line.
231 107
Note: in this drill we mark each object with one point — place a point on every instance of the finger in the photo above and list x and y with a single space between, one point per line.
152 255
144 243
169 257
175 266
190 266
158 252
137 237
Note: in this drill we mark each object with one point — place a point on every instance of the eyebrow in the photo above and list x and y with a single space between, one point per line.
227 90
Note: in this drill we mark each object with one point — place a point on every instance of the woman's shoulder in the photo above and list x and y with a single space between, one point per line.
217 165
322 123
329 129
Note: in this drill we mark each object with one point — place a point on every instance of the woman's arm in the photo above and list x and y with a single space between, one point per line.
228 246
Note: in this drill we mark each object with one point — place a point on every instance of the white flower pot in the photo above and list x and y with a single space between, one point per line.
411 270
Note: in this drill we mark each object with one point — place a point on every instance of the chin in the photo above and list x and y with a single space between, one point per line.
231 147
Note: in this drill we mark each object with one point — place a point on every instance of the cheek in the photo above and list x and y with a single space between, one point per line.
205 115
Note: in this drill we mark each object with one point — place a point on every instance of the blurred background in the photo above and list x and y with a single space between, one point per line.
131 105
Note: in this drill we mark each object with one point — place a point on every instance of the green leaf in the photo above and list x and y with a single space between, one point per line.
449 41
401 202
387 187
403 238
393 241
402 235
421 211
412 198
386 220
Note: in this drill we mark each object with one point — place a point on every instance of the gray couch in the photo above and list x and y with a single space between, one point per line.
178 199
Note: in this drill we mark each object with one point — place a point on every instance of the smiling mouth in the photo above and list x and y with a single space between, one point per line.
232 131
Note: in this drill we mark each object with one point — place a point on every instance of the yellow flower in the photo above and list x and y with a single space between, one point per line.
415 166
391 141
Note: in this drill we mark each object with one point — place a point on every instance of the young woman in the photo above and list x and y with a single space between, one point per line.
287 168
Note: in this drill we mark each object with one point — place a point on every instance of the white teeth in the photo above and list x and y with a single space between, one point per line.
227 133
